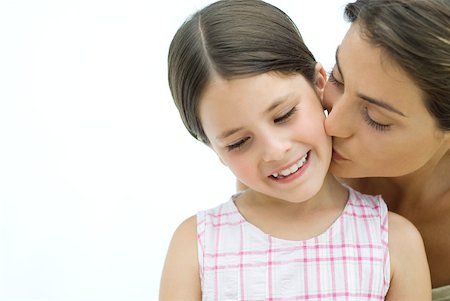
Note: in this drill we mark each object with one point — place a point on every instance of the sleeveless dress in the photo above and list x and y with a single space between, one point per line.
349 261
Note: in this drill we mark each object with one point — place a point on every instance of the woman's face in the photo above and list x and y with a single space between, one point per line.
377 118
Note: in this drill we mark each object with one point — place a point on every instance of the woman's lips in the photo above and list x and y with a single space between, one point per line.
338 157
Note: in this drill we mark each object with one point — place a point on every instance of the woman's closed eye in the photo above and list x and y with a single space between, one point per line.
374 124
334 81
285 117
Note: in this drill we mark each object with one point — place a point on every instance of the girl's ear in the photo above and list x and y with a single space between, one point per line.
320 79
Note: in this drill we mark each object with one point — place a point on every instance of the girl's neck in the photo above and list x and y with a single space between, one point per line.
294 221
326 196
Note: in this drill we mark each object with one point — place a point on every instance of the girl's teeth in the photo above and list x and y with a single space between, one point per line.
291 169
286 172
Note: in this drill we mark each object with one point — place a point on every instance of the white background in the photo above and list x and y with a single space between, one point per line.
96 169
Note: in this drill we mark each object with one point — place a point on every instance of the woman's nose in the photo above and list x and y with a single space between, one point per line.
340 121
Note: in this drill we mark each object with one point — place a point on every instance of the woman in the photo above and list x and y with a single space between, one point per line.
388 98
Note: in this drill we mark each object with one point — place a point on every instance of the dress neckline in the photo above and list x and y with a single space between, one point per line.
324 235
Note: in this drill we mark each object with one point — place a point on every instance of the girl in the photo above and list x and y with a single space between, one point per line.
247 86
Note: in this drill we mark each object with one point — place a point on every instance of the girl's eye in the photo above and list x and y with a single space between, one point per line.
286 116
334 81
376 125
238 145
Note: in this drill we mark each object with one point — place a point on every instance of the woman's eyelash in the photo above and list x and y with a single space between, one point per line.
237 145
333 80
286 116
376 125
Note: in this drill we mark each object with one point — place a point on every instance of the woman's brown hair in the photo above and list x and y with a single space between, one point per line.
415 34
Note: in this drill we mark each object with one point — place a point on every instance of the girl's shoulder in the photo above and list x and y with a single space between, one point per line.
403 235
224 213
409 266
181 267
366 204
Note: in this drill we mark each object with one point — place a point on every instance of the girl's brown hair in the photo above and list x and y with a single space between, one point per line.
232 39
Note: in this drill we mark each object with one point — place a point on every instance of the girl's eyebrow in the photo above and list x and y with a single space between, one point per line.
228 133
380 103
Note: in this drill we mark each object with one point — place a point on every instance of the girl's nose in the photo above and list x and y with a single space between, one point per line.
275 148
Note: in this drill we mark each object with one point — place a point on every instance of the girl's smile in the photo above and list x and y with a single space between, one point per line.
268 129
292 172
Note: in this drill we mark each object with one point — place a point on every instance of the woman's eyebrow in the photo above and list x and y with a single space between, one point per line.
380 103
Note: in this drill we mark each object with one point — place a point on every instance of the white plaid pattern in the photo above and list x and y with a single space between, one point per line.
349 261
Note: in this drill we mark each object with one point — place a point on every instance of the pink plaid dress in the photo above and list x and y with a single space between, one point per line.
349 261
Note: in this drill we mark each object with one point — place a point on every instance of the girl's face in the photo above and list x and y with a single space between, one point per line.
268 129
377 118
